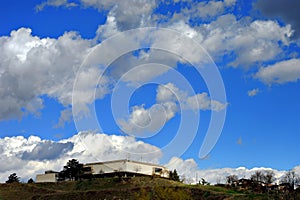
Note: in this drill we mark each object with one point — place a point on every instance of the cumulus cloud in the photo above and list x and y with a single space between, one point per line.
253 92
246 41
287 10
207 10
189 170
170 99
141 121
142 67
194 11
128 14
65 116
203 102
55 3
47 151
32 155
200 101
280 72
32 67
251 41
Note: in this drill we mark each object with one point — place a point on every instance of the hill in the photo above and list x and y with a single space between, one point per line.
116 188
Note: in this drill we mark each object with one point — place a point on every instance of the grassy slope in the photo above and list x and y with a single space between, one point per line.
114 188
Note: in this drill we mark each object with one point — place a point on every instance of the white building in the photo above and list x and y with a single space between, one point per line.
127 168
49 177
123 168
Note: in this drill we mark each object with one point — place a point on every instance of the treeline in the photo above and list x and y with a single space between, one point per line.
290 178
74 170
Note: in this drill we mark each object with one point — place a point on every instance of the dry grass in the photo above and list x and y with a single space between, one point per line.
114 188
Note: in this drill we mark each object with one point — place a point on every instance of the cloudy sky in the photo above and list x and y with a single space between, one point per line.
207 87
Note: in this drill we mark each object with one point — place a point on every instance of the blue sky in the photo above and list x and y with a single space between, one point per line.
254 46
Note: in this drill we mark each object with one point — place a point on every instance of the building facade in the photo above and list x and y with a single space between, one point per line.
127 168
121 168
49 177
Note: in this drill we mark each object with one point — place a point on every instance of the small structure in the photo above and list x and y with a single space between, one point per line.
127 168
49 177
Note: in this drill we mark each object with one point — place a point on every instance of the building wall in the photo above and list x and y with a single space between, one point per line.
107 167
128 166
43 178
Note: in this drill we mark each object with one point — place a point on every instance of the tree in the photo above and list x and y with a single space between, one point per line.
203 182
269 177
30 180
231 179
174 176
258 176
263 176
13 178
72 170
291 178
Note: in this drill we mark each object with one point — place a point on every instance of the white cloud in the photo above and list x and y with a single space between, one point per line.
169 92
108 29
203 102
143 67
208 9
128 14
280 72
141 121
29 156
202 10
31 67
189 170
253 92
65 116
55 3
251 41
170 99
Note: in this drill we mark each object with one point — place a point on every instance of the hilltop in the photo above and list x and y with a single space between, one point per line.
116 188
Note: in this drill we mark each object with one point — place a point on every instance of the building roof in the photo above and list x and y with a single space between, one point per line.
124 160
51 172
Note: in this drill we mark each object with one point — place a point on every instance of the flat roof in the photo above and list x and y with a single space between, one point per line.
124 160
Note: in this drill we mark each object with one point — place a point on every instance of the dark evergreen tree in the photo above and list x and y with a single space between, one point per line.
203 182
72 170
30 181
174 175
13 178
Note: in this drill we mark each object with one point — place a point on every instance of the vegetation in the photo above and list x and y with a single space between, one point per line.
231 179
13 178
30 180
203 182
259 186
115 188
290 178
266 177
173 175
72 170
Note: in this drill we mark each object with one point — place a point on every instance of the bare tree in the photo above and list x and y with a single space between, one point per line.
269 177
231 179
258 176
291 178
